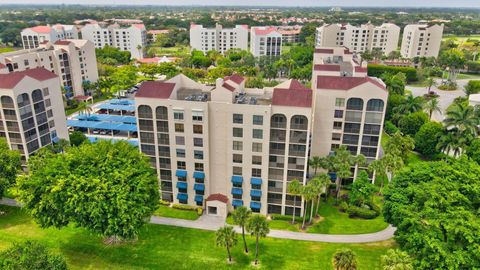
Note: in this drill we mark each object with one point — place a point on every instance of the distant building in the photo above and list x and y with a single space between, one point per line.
73 60
421 40
32 37
361 38
265 41
132 38
156 33
290 34
219 39
32 115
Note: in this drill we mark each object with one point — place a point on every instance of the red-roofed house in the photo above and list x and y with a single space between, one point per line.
32 37
265 41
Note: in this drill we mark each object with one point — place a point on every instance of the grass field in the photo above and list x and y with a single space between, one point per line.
179 51
4 50
461 39
166 211
164 247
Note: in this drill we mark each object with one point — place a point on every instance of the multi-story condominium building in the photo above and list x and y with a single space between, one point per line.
421 40
228 146
31 109
219 39
349 107
34 36
365 37
265 41
290 34
132 38
73 60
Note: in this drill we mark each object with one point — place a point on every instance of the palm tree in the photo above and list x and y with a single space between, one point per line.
463 117
433 105
240 217
226 237
454 141
396 260
257 225
294 188
322 181
344 259
84 108
430 82
315 163
410 105
308 194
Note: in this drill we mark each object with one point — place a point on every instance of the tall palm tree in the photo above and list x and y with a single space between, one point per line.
430 82
294 188
454 141
344 259
323 182
257 225
240 217
410 105
463 117
226 237
431 106
396 260
308 193
315 163
84 108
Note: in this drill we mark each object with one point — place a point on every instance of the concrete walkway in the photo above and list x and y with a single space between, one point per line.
213 223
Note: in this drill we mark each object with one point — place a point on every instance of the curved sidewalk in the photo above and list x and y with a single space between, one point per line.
213 223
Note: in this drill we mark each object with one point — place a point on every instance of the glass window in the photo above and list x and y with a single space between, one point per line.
237 171
178 115
336 136
198 142
256 160
237 118
144 111
338 114
237 158
256 147
238 132
180 140
375 105
179 127
350 139
197 129
355 104
199 167
197 116
339 102
256 172
180 153
181 165
337 125
373 117
258 120
237 145
258 134
353 116
198 154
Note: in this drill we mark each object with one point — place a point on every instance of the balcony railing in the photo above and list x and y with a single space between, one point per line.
275 201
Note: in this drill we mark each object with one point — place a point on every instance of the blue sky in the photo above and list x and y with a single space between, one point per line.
372 3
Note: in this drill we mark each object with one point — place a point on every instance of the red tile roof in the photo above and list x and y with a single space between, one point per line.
155 89
42 29
347 51
2 65
320 50
235 78
10 80
297 95
344 83
325 67
217 197
264 30
361 69
62 42
139 26
228 86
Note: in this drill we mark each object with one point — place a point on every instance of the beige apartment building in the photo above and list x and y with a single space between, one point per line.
73 60
361 38
31 109
265 41
421 40
219 39
34 36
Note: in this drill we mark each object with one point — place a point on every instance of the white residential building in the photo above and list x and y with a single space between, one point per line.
265 41
218 38
32 115
361 38
34 36
421 40
73 60
132 38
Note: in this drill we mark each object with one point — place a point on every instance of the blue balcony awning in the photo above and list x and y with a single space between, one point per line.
237 179
182 185
200 187
237 203
181 173
256 193
237 191
182 196
256 181
255 205
199 198
198 175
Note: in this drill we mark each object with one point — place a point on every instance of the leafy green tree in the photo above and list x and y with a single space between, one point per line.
73 188
344 259
431 106
108 55
123 78
400 146
434 206
149 70
410 124
321 183
168 69
454 59
472 87
395 82
410 105
453 141
473 150
362 190
294 188
10 164
258 227
226 237
77 138
31 255
427 138
240 217
315 164
396 260
462 117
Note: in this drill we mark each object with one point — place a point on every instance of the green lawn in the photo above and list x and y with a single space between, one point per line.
164 247
166 211
463 76
7 49
179 51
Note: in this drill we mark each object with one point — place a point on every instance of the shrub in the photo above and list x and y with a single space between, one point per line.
199 211
184 207
376 70
343 207
448 86
410 124
427 137
285 217
31 255
472 87
390 128
162 202
361 212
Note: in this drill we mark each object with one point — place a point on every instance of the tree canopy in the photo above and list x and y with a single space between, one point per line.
9 166
30 256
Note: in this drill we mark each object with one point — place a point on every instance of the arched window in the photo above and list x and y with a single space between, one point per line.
37 95
7 102
355 104
375 105
144 111
162 113
279 121
299 122
23 100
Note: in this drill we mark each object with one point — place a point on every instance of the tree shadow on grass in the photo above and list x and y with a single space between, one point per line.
13 216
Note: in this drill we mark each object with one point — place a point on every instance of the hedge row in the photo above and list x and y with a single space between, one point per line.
376 70
286 218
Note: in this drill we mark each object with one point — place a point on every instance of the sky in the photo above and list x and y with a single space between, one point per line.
351 3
